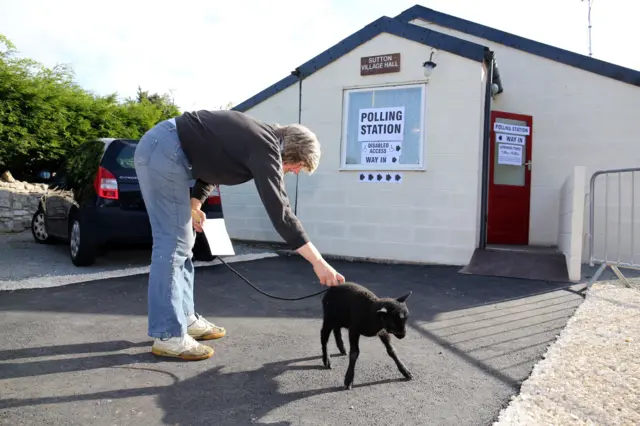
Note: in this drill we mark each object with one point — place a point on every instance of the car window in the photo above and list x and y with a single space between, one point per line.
124 159
118 157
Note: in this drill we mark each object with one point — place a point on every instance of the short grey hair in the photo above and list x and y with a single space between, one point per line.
300 145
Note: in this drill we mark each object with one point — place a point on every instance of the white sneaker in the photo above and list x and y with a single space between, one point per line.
184 347
202 329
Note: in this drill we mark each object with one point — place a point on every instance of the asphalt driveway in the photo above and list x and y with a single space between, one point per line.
78 354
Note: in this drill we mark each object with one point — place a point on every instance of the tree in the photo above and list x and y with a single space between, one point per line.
44 113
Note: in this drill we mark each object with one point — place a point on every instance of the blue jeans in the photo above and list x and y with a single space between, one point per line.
164 174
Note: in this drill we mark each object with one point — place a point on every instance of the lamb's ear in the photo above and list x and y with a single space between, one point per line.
401 299
382 310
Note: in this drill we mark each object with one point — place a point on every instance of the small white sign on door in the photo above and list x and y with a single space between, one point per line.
507 138
511 128
510 154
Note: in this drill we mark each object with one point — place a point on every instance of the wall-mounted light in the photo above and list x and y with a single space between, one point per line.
429 66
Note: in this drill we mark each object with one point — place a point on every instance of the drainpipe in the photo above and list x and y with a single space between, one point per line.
486 144
298 74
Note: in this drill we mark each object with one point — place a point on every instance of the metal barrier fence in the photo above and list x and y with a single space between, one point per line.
615 259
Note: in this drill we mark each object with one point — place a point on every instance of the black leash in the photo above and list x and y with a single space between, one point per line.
267 294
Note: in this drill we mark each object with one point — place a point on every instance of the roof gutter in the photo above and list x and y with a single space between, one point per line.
495 73
489 62
298 74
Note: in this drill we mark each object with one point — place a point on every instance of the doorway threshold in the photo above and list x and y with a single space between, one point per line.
523 248
537 263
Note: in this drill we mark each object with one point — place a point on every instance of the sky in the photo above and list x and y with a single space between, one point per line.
209 53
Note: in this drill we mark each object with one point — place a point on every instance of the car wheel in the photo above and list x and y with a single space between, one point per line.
39 228
80 248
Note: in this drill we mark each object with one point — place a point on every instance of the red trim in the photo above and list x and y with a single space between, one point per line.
499 194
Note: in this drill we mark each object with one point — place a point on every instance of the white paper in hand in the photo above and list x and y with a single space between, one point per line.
218 238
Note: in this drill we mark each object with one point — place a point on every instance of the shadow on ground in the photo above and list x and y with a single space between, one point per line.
80 350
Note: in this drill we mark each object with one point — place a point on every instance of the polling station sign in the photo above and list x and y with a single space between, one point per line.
381 124
511 128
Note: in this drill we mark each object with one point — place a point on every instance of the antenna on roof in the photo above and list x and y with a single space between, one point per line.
589 4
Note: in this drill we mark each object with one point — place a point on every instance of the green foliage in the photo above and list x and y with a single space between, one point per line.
81 169
44 113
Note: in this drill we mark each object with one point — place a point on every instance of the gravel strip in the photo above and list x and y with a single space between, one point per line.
25 264
591 374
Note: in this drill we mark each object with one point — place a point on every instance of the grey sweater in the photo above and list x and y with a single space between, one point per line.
229 148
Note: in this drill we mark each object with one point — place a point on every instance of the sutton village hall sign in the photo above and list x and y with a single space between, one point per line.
380 64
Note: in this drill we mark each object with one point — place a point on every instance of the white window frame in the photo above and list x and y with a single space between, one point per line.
421 166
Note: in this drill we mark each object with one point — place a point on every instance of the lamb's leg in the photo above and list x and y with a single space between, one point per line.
354 352
386 340
338 336
324 338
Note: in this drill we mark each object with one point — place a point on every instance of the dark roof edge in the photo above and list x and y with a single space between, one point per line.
586 63
490 60
385 24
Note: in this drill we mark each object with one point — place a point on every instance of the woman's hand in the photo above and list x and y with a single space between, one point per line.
326 274
198 217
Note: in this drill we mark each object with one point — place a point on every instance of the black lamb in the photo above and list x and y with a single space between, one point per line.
359 310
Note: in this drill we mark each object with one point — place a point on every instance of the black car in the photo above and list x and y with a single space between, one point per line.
94 201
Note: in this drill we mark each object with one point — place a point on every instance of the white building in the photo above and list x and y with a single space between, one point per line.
449 185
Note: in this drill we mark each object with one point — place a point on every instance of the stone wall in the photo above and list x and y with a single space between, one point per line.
18 202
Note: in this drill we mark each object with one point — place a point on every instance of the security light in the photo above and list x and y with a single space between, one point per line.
429 66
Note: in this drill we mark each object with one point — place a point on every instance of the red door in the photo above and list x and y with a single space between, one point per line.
509 179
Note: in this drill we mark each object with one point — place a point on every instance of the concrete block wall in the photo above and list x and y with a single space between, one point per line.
571 221
432 215
579 119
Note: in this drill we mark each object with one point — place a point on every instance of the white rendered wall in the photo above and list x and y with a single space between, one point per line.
432 216
579 119
571 220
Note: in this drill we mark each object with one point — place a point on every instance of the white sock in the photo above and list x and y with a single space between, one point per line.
191 318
